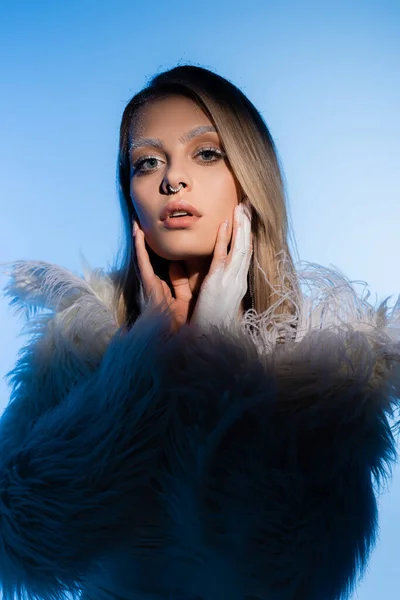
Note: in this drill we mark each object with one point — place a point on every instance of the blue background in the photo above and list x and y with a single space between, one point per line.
325 77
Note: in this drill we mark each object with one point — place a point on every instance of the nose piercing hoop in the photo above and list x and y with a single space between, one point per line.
174 190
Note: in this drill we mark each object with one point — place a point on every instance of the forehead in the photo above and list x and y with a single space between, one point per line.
170 114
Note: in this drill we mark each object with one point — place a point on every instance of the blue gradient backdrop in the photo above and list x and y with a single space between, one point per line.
325 76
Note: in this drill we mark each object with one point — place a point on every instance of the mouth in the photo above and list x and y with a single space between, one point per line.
180 222
176 209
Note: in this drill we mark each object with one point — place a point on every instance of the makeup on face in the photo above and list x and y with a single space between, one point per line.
179 214
180 222
172 142
184 139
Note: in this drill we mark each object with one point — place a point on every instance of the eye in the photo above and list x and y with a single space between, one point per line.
216 154
138 165
210 154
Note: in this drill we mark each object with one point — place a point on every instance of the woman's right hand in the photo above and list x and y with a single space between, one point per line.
158 290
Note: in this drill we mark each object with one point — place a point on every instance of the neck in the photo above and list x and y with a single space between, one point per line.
197 270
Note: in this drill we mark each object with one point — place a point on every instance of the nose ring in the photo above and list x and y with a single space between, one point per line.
174 190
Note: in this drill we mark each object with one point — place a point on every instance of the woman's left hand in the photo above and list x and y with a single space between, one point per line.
225 285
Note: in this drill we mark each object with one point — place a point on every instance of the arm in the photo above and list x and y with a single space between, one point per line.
276 456
68 486
293 465
66 348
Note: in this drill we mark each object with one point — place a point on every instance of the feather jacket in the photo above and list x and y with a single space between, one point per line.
197 465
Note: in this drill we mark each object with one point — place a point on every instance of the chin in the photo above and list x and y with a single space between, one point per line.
183 251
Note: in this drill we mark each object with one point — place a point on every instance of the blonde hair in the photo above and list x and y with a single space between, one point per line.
253 159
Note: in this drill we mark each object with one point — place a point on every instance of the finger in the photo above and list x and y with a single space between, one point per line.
179 281
145 267
245 266
242 274
241 251
234 232
221 248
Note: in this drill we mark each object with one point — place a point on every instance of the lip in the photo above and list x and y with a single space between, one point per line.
179 222
179 205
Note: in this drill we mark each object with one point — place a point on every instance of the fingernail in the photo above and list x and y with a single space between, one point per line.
135 227
226 225
246 211
239 211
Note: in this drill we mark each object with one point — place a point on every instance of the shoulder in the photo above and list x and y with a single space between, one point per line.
69 321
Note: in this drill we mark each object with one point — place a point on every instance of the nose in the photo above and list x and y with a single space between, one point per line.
175 179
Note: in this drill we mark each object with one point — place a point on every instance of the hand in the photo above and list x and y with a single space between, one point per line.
158 290
226 282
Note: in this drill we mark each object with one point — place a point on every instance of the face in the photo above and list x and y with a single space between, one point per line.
197 161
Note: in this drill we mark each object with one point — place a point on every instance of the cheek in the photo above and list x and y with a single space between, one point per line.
145 219
225 195
143 207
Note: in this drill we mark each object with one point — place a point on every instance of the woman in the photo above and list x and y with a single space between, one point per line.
192 425
237 145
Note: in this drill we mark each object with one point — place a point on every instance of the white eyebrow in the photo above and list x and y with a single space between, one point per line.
186 137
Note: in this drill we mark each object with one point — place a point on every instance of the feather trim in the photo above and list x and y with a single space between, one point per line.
214 464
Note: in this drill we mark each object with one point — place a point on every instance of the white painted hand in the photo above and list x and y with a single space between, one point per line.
225 285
